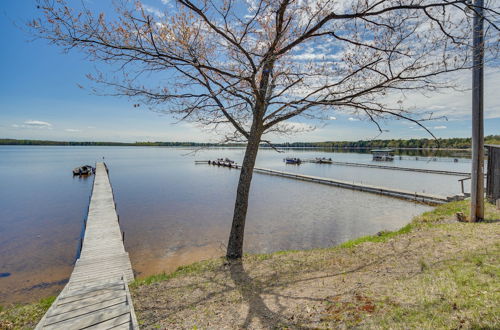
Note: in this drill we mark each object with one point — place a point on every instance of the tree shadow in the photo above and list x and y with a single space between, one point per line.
251 291
267 303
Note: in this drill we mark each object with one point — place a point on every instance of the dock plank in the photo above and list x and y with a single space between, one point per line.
89 301
79 310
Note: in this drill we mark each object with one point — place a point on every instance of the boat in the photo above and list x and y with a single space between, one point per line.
226 162
383 155
290 160
323 160
84 170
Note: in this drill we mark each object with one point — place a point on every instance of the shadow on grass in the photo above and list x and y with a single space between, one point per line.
264 298
251 292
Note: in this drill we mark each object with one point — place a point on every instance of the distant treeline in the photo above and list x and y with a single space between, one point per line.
88 143
452 143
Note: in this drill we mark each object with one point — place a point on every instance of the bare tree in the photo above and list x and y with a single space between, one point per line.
249 66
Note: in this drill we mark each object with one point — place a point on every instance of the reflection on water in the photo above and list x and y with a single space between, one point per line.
174 212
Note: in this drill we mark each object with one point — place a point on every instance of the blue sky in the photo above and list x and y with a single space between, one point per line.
40 99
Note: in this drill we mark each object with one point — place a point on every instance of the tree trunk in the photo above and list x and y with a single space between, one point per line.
235 245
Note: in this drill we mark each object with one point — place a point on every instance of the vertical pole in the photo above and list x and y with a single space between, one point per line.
477 183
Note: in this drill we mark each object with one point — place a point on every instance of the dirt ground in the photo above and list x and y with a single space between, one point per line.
413 280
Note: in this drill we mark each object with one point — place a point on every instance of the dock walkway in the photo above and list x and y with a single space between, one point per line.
398 193
97 294
399 168
393 192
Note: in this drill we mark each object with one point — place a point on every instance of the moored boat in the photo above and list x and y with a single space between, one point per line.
291 160
84 170
383 155
323 160
226 162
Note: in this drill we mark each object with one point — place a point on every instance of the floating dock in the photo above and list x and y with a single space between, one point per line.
397 193
403 194
397 168
97 294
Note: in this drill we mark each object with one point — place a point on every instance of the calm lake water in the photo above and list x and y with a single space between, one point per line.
174 212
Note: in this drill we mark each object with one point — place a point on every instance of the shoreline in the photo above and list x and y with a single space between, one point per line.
231 147
425 144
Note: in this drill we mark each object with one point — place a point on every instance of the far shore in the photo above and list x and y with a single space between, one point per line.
447 144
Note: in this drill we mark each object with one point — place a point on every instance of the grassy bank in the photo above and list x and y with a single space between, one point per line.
433 273
24 316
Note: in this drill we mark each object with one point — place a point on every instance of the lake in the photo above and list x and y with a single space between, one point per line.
174 212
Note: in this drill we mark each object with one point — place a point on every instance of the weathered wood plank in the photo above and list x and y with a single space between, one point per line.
88 301
68 298
92 285
78 310
79 289
120 322
85 321
102 276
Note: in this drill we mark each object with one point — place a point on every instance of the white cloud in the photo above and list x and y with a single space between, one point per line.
440 127
332 118
153 10
353 119
72 130
314 56
37 123
437 107
289 128
33 124
91 127
455 104
299 126
165 2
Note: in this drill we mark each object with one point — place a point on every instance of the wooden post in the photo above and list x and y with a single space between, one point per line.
477 183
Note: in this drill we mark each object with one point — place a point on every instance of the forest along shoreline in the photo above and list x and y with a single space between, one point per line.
435 272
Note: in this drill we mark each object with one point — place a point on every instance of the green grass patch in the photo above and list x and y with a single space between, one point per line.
441 212
449 210
24 316
266 256
460 293
382 236
192 269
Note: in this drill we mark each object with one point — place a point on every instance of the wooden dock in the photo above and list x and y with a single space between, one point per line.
97 294
398 168
403 194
